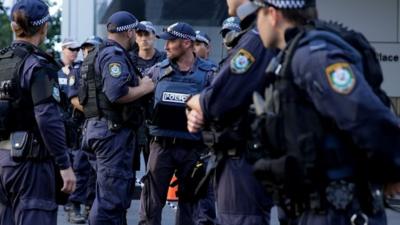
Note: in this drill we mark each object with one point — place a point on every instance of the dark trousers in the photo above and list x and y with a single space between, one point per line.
27 192
115 178
240 198
85 184
164 160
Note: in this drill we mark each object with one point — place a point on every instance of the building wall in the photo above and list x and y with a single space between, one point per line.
78 19
378 20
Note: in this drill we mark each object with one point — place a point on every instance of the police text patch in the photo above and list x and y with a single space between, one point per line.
115 69
341 78
242 61
174 97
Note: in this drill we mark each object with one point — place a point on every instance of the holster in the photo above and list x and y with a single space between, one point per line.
21 145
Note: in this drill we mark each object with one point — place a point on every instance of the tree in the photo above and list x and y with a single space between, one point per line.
6 33
53 33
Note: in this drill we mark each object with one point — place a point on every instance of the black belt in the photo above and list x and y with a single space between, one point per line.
176 141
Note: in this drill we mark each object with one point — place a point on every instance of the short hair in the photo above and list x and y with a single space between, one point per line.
21 25
300 16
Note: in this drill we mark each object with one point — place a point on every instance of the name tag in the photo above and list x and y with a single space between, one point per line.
63 81
174 97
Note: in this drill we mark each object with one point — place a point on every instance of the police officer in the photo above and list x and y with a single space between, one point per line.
144 57
108 131
202 46
173 148
70 49
85 174
38 150
239 196
229 31
341 141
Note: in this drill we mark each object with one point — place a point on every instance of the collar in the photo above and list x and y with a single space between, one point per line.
192 69
291 33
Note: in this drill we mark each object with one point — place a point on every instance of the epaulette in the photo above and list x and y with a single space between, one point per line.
206 65
164 63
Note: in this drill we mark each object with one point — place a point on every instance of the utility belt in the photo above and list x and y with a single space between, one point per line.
358 201
225 143
170 141
23 145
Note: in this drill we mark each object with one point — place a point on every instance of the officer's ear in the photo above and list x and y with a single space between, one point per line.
273 14
188 43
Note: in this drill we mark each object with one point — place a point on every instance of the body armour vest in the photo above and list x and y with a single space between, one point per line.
172 90
303 147
16 104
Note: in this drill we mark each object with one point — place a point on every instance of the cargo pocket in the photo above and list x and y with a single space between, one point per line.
115 189
38 204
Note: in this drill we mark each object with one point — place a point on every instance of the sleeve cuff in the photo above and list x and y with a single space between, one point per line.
63 162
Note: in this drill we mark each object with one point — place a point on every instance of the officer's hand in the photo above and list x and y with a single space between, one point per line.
69 180
195 120
392 189
147 84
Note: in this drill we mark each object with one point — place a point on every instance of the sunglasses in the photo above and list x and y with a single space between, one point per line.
74 49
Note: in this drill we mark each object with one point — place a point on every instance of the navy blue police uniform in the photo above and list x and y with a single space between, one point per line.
330 84
144 65
23 197
239 196
107 134
204 209
85 173
204 38
173 149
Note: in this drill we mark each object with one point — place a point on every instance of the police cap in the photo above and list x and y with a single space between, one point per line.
36 11
146 26
178 31
92 41
285 4
202 37
231 23
121 21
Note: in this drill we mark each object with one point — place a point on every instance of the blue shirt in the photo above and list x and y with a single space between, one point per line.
144 65
116 69
332 76
230 94
47 115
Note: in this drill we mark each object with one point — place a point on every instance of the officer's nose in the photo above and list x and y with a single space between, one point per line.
166 45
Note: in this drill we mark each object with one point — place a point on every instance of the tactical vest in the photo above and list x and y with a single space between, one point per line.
96 104
305 150
16 105
171 92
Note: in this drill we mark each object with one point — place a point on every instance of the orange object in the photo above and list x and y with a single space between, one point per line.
171 196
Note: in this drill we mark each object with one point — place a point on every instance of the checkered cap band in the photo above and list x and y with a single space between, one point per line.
40 22
202 39
126 27
231 26
287 4
180 35
282 4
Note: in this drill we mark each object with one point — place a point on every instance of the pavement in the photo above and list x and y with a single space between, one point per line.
168 216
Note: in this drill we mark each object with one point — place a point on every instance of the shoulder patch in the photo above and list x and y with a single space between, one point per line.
115 69
242 61
341 78
56 93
